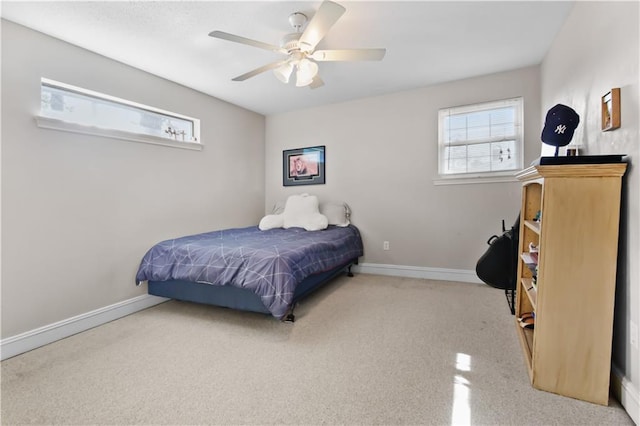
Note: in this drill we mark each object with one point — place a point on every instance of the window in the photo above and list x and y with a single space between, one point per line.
70 108
480 140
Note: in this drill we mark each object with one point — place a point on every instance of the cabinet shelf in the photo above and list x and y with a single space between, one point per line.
531 291
568 352
525 336
534 226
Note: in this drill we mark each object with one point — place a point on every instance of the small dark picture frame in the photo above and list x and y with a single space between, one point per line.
303 166
611 110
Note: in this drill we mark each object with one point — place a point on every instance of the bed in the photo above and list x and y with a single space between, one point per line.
250 269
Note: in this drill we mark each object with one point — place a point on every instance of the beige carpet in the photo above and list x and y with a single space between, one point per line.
364 350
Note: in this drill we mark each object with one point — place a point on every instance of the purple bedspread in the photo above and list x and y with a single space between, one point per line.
270 263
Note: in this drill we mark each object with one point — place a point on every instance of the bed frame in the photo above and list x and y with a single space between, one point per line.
239 298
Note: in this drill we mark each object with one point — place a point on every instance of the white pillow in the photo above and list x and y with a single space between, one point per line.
301 211
337 213
271 221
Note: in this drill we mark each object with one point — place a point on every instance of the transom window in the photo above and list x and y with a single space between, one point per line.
481 139
100 114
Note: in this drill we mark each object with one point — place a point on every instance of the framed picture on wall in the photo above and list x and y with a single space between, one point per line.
303 166
611 110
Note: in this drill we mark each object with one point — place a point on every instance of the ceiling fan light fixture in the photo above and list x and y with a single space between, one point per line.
307 70
305 47
283 72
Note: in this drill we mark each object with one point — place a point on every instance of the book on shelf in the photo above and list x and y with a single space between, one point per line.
530 258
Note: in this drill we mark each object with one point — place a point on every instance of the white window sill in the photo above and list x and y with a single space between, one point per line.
459 180
54 124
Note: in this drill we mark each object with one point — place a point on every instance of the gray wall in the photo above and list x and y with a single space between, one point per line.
382 159
597 50
79 212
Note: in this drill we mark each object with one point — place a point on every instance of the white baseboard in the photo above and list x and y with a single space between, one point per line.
463 275
33 339
626 393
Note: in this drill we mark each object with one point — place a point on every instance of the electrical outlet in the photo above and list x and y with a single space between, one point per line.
633 334
385 245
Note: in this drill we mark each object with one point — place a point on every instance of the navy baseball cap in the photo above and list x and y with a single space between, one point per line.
559 125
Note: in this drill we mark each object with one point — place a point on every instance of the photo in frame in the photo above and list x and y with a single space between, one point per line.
611 110
303 166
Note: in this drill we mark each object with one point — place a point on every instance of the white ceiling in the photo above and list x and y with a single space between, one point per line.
427 42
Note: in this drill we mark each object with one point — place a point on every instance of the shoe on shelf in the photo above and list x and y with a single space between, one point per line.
528 322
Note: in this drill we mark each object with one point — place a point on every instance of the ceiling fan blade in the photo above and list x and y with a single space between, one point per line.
316 82
349 55
243 40
260 70
327 15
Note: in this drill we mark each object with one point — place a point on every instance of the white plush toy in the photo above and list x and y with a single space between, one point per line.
300 211
271 221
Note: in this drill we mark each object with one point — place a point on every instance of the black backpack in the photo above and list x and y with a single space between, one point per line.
498 265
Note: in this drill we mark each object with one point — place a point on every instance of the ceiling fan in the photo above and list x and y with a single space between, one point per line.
300 48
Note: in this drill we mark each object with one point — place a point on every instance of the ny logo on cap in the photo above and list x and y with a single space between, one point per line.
560 129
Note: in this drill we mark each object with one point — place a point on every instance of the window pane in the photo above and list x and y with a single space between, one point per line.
457 135
455 159
75 107
478 119
457 122
503 130
502 115
479 157
456 152
480 132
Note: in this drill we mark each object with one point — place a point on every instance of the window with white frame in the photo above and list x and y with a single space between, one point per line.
66 107
481 140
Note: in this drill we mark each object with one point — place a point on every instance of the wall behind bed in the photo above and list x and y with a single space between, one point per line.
79 212
382 160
